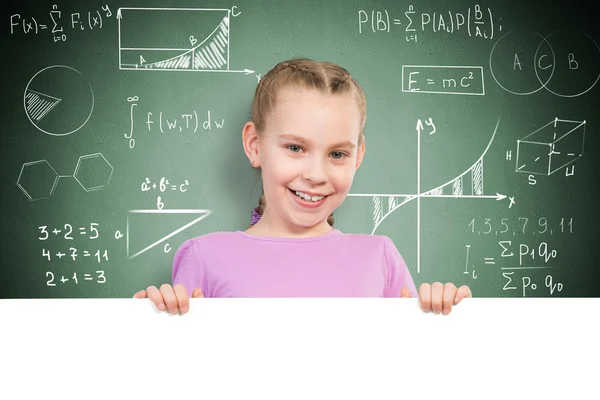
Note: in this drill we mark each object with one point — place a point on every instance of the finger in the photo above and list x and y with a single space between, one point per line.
183 298
405 292
437 293
197 293
154 295
461 293
449 295
169 298
140 295
425 297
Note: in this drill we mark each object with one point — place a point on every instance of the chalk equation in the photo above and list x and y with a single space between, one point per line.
527 254
58 24
443 79
99 277
69 233
185 122
73 254
476 21
92 233
163 186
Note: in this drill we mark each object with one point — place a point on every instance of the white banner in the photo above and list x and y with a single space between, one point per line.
283 349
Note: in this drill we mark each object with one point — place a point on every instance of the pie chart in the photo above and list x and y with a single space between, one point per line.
58 100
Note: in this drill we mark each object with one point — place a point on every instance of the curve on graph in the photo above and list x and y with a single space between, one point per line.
161 64
440 186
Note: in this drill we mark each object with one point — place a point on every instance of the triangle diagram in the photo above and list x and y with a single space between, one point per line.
39 104
149 228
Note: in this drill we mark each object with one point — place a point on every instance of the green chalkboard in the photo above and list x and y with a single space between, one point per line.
121 136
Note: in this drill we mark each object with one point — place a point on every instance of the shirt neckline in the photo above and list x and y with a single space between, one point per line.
332 233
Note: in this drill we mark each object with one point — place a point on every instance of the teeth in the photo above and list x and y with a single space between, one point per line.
308 197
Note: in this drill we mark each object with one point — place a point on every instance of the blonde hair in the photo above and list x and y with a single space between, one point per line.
324 77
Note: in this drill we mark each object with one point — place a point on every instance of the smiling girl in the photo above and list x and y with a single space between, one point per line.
306 136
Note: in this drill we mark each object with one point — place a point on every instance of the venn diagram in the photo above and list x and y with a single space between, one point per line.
565 62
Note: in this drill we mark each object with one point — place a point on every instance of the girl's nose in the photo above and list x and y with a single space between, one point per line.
315 171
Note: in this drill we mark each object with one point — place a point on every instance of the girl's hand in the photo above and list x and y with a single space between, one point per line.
176 298
439 297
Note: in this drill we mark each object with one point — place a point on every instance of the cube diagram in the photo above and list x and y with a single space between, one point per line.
551 147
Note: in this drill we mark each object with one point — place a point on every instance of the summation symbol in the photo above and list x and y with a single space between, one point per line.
38 179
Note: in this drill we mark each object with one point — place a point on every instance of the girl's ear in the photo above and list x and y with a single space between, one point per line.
250 142
361 154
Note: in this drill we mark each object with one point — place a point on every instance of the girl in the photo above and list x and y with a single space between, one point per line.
306 135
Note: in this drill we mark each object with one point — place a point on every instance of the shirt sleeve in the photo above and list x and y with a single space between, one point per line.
188 269
398 275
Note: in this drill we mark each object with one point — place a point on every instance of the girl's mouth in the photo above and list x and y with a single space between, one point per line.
306 200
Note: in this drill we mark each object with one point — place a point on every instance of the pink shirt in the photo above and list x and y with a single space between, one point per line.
237 264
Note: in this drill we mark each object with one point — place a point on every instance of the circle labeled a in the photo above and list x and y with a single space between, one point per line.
522 62
58 100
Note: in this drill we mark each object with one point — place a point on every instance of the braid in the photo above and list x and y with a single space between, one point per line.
261 205
330 219
296 66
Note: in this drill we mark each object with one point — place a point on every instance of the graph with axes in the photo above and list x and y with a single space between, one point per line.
467 185
175 39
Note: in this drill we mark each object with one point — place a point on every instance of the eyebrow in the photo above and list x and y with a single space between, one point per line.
346 144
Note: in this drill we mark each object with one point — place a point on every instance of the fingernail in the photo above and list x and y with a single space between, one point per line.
184 309
161 306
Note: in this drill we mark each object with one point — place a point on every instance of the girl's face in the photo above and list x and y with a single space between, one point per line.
310 148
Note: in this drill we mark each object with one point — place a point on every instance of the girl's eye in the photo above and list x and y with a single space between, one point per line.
294 148
337 155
